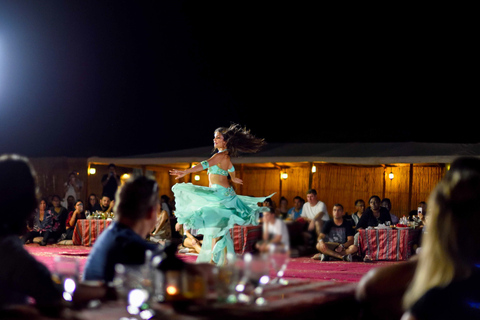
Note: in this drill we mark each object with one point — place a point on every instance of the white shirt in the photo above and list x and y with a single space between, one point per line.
278 228
310 212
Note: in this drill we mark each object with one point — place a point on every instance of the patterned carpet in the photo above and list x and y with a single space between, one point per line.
298 268
306 268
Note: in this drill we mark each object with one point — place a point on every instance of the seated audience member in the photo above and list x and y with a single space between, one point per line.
274 232
192 241
336 238
59 218
92 204
21 275
70 204
72 218
446 268
315 213
106 205
422 218
268 203
296 211
374 215
165 202
360 207
163 230
282 210
41 222
124 240
387 204
412 213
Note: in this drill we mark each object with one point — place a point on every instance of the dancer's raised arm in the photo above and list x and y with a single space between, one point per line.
215 159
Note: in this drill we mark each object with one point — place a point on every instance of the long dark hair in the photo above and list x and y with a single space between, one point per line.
240 139
18 193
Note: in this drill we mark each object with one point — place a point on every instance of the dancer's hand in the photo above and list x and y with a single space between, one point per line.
178 226
237 180
179 173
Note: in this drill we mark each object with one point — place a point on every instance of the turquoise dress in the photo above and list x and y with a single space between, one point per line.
214 211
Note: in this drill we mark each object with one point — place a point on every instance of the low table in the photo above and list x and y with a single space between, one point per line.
388 244
87 231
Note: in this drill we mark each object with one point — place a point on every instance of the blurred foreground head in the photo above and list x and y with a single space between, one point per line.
136 198
18 193
450 246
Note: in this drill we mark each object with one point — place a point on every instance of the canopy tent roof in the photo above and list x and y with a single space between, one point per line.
342 153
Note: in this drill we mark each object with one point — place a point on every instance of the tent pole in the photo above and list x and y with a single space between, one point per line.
410 187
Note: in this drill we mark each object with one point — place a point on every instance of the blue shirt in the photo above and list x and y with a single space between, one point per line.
294 214
117 244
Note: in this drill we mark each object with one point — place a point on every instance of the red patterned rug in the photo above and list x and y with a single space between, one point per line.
306 268
298 268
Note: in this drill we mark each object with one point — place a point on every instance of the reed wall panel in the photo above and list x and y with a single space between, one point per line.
426 178
345 184
398 189
261 182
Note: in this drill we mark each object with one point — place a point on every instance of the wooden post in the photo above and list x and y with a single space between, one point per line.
310 176
410 187
384 181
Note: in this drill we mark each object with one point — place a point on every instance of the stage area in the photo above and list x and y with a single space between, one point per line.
303 268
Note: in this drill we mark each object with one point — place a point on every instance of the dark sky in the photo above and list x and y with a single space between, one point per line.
113 78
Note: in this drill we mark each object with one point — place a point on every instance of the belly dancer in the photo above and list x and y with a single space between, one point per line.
214 210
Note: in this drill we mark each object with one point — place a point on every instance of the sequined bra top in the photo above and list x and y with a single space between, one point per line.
216 170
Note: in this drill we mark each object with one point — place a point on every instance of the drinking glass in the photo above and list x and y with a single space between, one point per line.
66 272
279 257
257 268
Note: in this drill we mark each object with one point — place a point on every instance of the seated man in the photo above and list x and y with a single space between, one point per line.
274 232
315 213
296 211
106 205
336 238
124 240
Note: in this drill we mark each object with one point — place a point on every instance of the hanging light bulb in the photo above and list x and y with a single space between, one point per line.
390 175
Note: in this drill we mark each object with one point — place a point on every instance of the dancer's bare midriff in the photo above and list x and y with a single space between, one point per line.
218 179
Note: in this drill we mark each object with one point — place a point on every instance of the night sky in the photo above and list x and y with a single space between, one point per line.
114 78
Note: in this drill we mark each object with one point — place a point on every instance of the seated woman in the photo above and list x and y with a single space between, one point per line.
93 204
72 218
59 217
41 223
163 230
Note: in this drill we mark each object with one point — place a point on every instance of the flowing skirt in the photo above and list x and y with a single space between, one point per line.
214 211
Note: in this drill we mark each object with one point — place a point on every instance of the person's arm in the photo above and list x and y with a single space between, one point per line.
231 171
105 179
215 159
363 221
348 243
71 220
321 241
323 211
265 231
